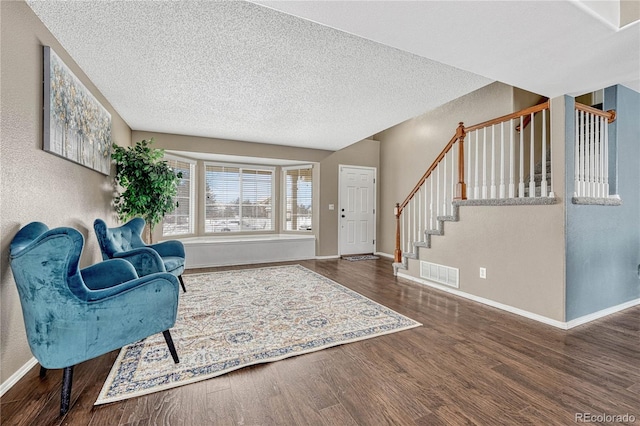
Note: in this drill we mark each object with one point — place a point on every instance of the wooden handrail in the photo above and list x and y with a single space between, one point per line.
527 119
526 111
609 115
424 177
461 187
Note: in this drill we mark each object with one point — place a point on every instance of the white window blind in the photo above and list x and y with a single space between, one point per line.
238 198
181 220
298 185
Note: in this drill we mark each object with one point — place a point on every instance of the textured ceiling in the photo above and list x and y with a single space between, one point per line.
547 47
236 70
322 74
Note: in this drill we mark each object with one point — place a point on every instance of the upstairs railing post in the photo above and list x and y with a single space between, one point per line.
397 255
461 187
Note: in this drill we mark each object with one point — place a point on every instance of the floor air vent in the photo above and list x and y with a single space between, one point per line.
441 274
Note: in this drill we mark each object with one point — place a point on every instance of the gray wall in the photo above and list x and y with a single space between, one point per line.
36 185
603 242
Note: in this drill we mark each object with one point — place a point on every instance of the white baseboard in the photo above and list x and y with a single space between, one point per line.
333 256
15 377
603 313
379 253
489 302
549 321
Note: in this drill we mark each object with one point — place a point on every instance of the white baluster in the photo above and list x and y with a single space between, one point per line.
412 226
596 156
532 167
453 177
437 191
596 136
423 209
444 185
591 191
419 215
521 181
502 161
426 209
409 228
543 182
493 161
601 159
583 155
585 176
476 189
484 164
403 224
550 155
431 212
512 154
408 209
576 155
606 158
467 162
416 215
603 127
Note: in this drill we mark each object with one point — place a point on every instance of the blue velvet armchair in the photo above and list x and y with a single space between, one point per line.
125 242
72 315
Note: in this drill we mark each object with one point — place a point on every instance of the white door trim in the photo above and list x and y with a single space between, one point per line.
375 203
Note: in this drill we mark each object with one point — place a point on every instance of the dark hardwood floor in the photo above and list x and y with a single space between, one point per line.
468 364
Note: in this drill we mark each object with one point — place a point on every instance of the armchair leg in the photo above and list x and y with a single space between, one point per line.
172 348
67 377
43 372
184 289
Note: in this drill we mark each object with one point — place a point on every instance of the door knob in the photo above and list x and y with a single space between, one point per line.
343 216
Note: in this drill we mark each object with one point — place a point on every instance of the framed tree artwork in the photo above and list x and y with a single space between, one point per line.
76 126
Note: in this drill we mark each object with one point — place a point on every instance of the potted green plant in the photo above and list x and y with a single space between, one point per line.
147 182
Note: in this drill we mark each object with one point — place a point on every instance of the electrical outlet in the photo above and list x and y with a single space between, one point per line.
483 273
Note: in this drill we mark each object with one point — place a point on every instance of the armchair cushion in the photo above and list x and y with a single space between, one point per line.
174 265
169 248
145 260
108 274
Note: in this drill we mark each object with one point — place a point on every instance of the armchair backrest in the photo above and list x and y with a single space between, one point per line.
119 239
45 268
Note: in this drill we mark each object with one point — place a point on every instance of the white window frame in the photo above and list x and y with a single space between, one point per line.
241 166
283 191
192 196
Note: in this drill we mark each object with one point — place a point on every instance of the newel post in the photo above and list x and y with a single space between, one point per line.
397 254
461 187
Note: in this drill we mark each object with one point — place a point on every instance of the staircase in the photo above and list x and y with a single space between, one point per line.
492 173
538 178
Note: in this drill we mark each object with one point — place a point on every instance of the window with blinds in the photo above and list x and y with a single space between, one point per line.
298 186
181 220
238 198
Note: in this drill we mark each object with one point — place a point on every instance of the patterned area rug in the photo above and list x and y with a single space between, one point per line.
233 319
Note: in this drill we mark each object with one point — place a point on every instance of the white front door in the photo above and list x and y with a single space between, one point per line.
357 210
